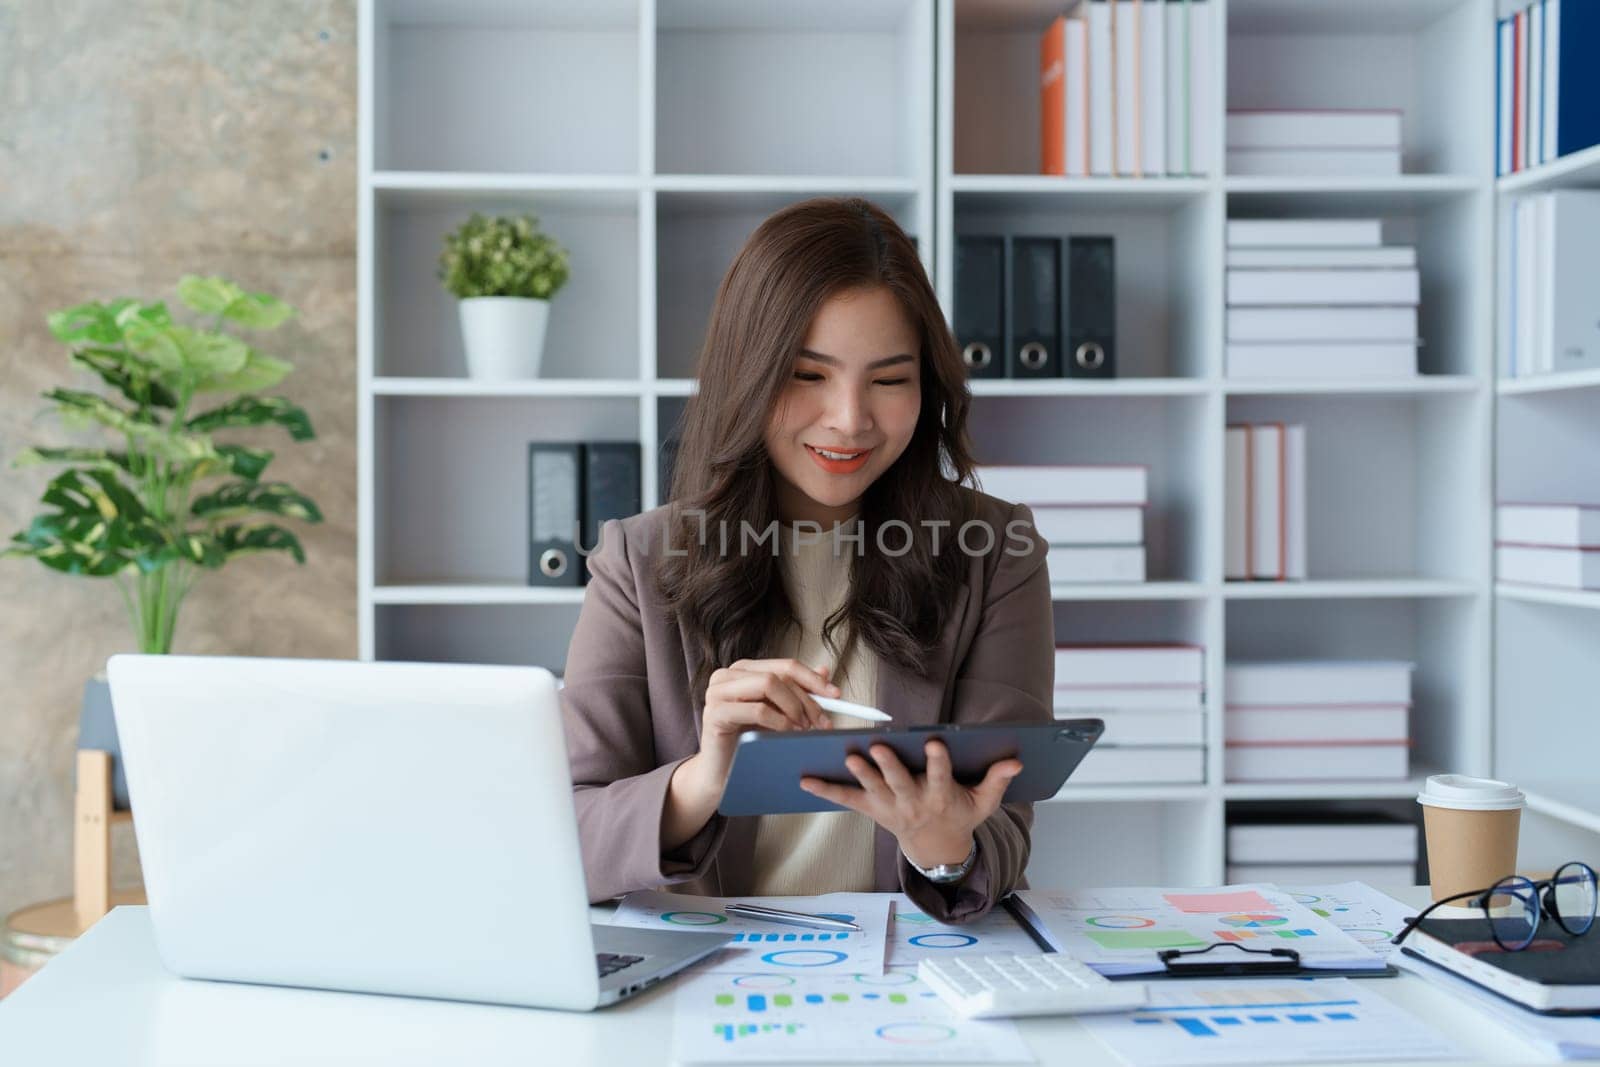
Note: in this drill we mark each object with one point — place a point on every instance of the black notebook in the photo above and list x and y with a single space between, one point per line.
1556 973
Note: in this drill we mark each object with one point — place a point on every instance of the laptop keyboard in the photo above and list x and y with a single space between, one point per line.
612 962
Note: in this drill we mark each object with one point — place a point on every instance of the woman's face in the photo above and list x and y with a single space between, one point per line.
850 408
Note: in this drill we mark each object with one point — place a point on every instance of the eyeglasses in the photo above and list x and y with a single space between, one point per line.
1514 906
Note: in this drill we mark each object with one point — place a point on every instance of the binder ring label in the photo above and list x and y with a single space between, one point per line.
552 563
1090 355
1034 355
977 354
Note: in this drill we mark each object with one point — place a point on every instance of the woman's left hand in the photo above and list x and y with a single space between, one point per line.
931 814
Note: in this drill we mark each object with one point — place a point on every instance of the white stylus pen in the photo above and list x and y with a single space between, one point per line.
855 711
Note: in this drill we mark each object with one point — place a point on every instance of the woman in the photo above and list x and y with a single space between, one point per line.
819 542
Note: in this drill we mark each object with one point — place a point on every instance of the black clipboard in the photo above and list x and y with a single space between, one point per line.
767 766
1278 962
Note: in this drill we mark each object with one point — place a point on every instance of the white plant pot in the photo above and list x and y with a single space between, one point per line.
504 336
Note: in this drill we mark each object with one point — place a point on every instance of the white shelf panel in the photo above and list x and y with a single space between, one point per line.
1100 794
1408 186
1549 383
1346 790
1422 383
1579 170
1534 594
1090 387
450 186
1575 804
783 184
1070 591
1045 190
1349 588
453 387
474 593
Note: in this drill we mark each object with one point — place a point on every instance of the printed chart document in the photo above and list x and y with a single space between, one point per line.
1260 1021
1119 931
914 936
1369 917
830 1018
759 946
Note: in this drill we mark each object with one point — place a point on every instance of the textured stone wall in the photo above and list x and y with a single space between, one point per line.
140 141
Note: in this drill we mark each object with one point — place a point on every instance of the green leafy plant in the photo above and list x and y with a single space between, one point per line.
502 257
151 515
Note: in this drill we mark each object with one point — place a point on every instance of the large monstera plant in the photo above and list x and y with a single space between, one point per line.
167 503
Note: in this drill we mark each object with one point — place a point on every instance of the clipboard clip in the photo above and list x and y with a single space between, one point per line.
1260 961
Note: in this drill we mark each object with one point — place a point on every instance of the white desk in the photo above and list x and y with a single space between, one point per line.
108 1001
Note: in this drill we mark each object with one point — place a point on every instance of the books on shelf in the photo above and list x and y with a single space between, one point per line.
1310 142
1264 502
1314 720
1548 315
1127 88
1319 298
1546 83
1548 544
1092 517
1321 837
1151 698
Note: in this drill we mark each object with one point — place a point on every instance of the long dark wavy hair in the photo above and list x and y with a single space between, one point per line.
730 604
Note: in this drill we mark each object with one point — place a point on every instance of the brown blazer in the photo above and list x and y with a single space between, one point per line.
630 718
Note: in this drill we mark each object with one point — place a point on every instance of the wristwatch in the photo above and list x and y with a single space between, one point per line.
946 873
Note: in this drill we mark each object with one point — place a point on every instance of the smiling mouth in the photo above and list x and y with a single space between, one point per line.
840 461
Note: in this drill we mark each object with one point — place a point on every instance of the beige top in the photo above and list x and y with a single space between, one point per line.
823 852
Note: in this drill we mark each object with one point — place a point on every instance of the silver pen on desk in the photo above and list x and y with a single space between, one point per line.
791 918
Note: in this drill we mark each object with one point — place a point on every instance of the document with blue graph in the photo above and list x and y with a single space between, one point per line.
1250 1021
1120 931
769 946
915 936
773 1017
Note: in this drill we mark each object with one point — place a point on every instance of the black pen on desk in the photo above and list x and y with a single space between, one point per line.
790 918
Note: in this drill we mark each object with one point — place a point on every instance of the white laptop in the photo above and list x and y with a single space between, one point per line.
396 828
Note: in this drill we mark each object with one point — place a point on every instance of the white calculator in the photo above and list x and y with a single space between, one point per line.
994 987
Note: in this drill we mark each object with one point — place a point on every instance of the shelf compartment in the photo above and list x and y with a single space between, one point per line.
451 499
1168 295
1084 839
1396 485
516 635
697 237
594 318
478 86
1543 442
1167 434
834 86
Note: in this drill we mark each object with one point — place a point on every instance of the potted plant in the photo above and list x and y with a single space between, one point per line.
504 272
167 503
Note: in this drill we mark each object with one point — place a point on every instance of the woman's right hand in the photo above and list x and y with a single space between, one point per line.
762 694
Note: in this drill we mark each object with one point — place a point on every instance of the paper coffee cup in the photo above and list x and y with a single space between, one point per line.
1471 827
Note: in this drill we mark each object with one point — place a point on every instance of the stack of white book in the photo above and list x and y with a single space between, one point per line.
1548 262
1311 720
1151 698
1314 143
1318 849
1548 544
1264 502
1091 516
1320 298
1128 88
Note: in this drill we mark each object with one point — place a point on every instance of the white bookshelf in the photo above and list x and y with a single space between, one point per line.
652 136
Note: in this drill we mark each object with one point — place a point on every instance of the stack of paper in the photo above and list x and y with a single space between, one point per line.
1091 516
1150 697
1128 88
1548 261
1315 720
1314 143
1294 849
1319 298
1548 544
1264 502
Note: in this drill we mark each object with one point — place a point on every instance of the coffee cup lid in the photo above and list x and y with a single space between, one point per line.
1465 793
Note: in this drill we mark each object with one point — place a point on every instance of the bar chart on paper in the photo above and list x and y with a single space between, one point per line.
859 1018
1204 1023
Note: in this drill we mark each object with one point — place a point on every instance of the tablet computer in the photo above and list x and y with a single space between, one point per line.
767 766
